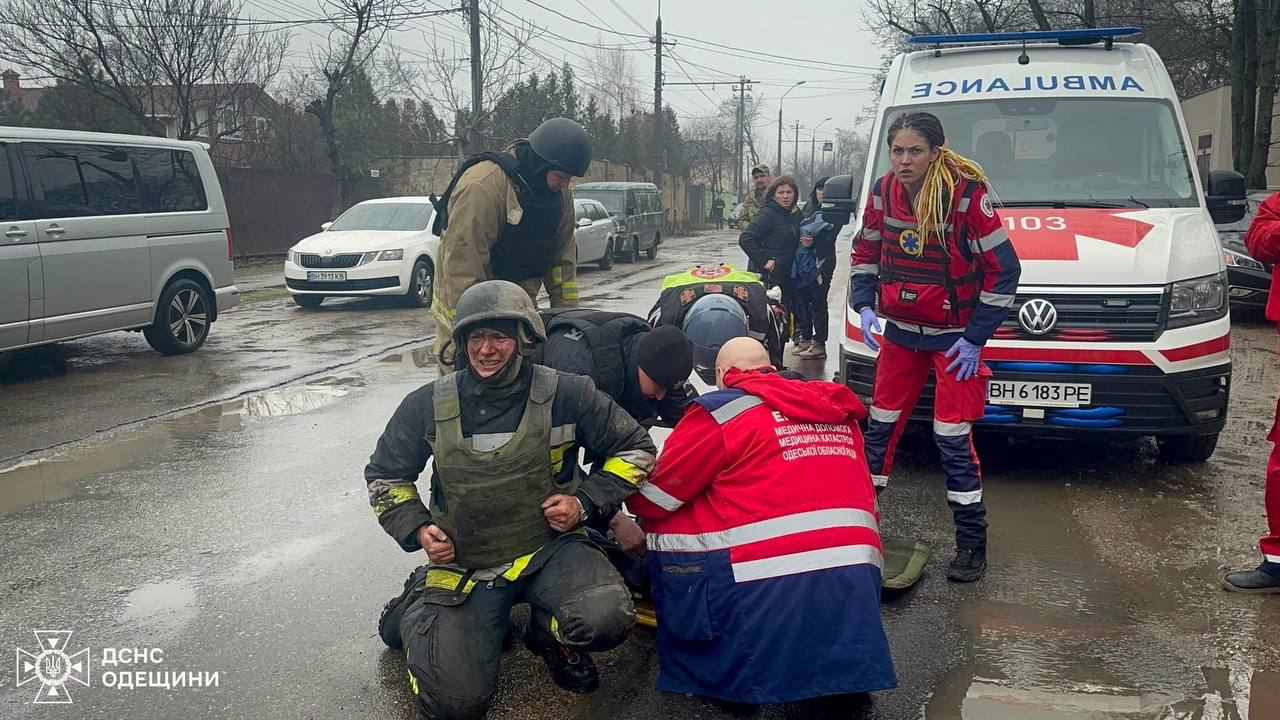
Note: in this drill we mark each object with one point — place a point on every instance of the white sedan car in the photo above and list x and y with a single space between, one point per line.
593 233
378 247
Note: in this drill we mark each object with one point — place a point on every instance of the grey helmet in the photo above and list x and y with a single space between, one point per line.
496 300
711 322
564 145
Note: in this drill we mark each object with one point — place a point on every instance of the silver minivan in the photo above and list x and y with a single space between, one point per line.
110 232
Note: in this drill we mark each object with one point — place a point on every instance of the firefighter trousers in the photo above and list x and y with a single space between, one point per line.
454 652
901 374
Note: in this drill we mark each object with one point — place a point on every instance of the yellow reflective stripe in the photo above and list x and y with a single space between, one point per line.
555 630
413 681
518 567
557 456
569 290
446 579
557 274
442 313
624 470
394 497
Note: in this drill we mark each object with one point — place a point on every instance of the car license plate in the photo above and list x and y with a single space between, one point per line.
1039 394
327 276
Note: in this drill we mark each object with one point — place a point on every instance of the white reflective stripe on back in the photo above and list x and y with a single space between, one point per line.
963 205
921 329
885 416
894 222
659 497
866 269
871 234
946 429
995 239
996 299
763 530
1271 558
876 203
734 408
807 562
880 480
964 498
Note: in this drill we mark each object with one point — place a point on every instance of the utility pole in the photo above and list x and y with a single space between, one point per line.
743 84
659 119
795 160
777 167
477 76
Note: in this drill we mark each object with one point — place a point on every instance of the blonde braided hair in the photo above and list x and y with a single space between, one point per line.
942 177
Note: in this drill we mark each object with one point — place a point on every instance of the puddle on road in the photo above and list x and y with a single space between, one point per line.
57 476
165 607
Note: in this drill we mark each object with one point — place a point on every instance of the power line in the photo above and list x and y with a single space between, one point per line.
758 53
584 22
628 15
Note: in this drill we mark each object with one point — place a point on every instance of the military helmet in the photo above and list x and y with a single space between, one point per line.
564 145
497 300
713 320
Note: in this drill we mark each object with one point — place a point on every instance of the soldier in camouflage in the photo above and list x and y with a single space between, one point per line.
505 520
760 179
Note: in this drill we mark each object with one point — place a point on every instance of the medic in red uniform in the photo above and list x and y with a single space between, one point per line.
935 259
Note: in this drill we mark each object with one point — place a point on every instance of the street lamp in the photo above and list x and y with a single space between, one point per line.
777 169
813 146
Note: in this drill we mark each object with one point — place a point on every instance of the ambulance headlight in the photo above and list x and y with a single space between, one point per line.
1198 300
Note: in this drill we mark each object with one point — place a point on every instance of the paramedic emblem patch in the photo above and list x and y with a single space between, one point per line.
986 206
741 293
686 296
910 242
709 273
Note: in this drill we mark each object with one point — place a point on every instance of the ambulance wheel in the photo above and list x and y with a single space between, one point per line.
1181 448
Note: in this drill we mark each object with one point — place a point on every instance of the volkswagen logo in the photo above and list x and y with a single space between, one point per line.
1038 316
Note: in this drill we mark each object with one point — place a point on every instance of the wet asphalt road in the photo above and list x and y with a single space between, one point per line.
237 538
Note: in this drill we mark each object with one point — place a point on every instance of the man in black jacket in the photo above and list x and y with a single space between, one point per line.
504 523
645 370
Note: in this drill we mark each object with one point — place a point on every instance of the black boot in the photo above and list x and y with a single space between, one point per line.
389 621
1251 581
969 565
571 670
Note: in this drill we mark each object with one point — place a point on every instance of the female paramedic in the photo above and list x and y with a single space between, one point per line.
934 257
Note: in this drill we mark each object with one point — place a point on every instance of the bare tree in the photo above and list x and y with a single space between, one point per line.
357 30
195 61
614 73
709 150
444 79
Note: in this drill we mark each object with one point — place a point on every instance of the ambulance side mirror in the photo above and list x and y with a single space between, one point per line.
840 199
1225 196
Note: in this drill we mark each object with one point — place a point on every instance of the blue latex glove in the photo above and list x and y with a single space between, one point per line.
966 359
869 322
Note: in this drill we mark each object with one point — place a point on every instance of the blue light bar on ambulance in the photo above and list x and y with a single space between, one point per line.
1065 37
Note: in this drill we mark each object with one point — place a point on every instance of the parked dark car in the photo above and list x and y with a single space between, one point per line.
1249 279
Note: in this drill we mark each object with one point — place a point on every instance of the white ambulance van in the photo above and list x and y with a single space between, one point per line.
1120 326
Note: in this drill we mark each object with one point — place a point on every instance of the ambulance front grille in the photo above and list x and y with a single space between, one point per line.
1101 317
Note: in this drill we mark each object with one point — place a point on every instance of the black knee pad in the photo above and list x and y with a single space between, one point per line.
597 618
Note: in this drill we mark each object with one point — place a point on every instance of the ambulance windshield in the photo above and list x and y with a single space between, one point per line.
1044 151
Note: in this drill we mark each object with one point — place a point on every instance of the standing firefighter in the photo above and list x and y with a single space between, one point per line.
936 258
509 216
507 506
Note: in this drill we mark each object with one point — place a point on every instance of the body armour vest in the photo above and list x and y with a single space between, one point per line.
490 503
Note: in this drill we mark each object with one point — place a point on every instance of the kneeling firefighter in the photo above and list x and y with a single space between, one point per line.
504 523
509 216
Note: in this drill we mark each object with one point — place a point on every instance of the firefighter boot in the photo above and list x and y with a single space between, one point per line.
968 566
389 621
574 671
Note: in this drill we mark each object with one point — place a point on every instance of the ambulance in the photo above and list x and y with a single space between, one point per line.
1120 326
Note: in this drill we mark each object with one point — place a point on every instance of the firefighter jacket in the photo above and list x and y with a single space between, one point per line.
764 547
933 289
483 207
580 417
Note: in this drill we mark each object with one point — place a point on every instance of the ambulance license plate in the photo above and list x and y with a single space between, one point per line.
1038 394
327 276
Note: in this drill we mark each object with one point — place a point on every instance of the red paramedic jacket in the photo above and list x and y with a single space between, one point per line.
978 258
1263 243
764 546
